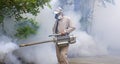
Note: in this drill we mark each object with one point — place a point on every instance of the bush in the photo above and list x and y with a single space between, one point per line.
26 28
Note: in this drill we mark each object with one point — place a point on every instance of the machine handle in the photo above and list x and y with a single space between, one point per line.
54 35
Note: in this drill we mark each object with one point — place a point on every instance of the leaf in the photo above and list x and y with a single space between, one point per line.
1 18
17 7
49 5
26 28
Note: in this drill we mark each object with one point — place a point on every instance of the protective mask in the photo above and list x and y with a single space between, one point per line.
60 17
57 16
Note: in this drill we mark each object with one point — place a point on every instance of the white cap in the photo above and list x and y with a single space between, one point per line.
58 10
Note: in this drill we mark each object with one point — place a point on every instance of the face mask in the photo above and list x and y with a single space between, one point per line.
58 16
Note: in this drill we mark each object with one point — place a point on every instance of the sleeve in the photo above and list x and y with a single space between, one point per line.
71 26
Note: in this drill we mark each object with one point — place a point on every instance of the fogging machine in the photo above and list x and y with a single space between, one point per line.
56 38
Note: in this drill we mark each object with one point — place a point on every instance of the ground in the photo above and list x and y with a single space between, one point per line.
96 60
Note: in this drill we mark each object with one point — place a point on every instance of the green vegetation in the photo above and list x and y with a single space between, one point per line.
26 27
1 18
17 7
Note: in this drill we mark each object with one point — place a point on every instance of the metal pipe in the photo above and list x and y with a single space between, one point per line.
59 39
35 43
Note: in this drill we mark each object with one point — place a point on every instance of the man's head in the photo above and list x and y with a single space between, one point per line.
58 13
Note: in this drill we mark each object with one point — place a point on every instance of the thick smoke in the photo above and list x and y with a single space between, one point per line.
106 25
42 53
86 45
6 51
45 53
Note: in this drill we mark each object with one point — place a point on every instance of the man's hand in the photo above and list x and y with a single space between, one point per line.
63 33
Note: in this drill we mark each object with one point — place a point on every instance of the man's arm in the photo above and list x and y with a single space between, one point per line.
71 26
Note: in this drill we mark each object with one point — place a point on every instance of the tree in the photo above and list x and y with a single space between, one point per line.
17 7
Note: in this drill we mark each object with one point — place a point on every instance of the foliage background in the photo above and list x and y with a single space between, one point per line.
15 9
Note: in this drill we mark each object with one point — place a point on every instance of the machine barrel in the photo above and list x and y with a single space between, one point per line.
71 39
35 43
